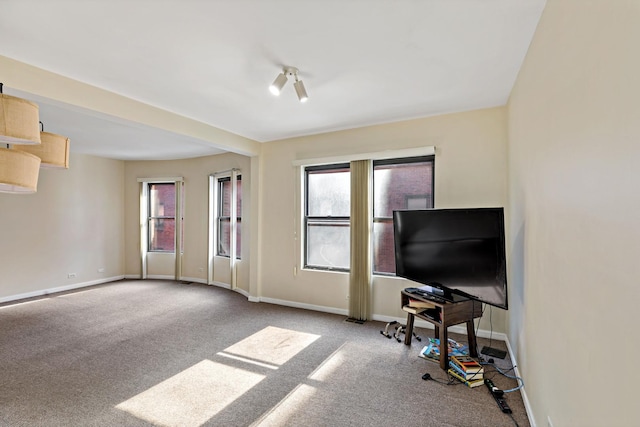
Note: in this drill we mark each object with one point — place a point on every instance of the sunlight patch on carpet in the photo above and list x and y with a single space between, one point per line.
191 397
280 414
329 365
272 345
247 360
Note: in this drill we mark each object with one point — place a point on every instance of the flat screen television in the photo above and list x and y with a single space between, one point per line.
457 252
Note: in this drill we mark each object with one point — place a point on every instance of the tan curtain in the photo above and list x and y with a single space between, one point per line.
360 270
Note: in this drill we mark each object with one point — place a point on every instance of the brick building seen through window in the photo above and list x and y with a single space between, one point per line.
162 217
224 217
398 185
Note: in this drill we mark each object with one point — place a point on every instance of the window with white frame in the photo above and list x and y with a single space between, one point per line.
398 184
161 216
326 217
223 217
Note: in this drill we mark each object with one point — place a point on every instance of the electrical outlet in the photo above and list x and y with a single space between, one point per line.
101 270
71 275
201 270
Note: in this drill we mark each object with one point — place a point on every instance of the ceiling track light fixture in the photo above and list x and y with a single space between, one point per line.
281 80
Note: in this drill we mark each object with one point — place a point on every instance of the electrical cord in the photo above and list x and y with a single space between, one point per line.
450 381
515 377
454 381
514 420
484 307
490 326
518 379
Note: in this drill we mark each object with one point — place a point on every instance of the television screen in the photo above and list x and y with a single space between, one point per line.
455 250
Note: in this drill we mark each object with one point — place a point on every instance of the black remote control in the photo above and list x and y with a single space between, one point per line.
498 396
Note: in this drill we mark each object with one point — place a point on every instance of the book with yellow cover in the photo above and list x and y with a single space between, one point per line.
469 376
470 383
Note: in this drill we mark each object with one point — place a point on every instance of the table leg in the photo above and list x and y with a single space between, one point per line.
471 337
444 348
408 332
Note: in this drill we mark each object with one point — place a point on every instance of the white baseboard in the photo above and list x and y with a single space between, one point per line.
218 284
523 391
294 304
242 292
221 285
48 291
166 277
160 277
194 280
182 279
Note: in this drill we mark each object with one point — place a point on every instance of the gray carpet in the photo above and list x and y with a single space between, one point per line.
145 353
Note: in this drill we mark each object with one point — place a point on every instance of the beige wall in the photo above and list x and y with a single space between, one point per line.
73 224
470 170
574 132
196 180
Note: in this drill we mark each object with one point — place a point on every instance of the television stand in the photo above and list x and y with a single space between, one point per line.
447 314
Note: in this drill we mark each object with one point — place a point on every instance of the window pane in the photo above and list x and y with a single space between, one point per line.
402 186
238 238
328 193
224 233
161 234
162 211
224 240
225 198
224 212
328 245
162 200
239 203
383 247
399 184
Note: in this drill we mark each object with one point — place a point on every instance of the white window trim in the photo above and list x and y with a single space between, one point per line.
301 164
161 180
144 226
213 213
377 155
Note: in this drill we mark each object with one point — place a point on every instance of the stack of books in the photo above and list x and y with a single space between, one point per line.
431 351
466 370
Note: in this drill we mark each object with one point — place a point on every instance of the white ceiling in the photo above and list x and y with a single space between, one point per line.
363 62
